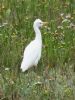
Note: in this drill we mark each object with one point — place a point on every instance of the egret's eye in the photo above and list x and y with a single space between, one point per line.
40 23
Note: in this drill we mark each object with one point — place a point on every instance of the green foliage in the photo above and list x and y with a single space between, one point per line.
54 78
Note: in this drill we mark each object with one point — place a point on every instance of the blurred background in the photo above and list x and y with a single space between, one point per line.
54 78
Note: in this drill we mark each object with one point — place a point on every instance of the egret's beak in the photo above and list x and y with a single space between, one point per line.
45 23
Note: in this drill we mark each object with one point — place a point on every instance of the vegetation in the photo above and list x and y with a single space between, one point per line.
54 77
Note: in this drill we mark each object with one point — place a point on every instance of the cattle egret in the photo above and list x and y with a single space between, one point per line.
32 52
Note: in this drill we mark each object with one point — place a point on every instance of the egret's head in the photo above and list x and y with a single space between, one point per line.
38 23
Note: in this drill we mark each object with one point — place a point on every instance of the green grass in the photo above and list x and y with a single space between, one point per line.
58 53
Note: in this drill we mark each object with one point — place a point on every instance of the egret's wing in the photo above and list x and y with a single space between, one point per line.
30 54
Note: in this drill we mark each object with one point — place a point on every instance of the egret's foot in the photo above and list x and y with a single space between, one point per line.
50 78
46 74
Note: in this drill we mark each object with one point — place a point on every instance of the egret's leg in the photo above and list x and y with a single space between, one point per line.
47 74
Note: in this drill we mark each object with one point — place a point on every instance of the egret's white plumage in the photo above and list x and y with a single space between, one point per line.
32 52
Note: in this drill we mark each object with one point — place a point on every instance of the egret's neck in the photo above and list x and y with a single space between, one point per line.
38 33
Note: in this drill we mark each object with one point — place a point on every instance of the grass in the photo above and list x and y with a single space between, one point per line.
58 53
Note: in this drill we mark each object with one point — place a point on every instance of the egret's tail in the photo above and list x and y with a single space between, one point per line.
23 67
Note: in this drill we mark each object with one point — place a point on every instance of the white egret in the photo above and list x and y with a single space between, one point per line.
32 52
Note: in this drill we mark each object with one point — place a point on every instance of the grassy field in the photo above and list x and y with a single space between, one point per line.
54 78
